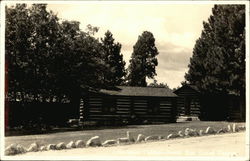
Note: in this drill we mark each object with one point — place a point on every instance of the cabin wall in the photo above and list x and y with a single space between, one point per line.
188 98
211 107
195 106
236 109
127 108
155 109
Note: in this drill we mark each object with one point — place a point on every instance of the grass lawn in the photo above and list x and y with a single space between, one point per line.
113 133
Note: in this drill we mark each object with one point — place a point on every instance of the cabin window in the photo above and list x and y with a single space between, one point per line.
109 105
153 106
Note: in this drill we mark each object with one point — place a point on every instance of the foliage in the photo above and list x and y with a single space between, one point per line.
159 85
114 59
143 60
218 61
30 36
47 57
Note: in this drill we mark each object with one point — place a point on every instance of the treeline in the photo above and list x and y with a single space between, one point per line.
218 62
49 59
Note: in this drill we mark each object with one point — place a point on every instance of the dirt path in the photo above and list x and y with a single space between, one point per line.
226 145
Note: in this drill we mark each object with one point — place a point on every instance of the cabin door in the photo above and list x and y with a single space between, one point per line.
187 105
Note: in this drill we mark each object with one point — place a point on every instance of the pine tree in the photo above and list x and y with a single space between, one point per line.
218 61
114 59
143 60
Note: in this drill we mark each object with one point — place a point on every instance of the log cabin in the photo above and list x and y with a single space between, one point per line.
193 103
129 104
189 100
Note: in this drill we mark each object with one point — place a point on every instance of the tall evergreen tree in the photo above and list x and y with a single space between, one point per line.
114 59
143 60
218 61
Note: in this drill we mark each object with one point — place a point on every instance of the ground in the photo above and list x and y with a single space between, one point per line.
113 133
229 145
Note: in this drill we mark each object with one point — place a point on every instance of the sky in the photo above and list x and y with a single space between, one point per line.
175 27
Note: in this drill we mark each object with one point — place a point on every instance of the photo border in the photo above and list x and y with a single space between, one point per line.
2 79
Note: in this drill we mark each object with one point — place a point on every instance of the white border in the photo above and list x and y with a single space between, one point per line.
2 62
247 80
181 2
2 73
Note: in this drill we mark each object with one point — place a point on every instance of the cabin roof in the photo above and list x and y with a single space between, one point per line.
194 87
139 91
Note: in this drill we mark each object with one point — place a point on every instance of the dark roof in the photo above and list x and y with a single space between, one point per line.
139 91
194 87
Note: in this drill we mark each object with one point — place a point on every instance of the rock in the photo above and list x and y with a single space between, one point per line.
109 142
193 132
201 132
220 131
186 131
172 136
71 145
235 128
79 144
229 128
130 138
190 132
122 140
14 149
20 149
224 129
94 141
43 148
242 128
51 147
149 138
60 146
140 138
180 134
11 150
33 147
210 130
169 136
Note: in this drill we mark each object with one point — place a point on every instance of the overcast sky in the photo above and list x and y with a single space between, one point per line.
175 27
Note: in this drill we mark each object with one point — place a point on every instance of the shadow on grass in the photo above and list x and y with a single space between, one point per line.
20 132
51 130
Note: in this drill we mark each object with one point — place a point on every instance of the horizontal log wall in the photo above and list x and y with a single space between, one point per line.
140 107
127 108
180 106
236 109
164 110
123 105
195 106
185 94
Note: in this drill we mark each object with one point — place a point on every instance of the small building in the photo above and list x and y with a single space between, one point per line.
129 104
192 103
189 101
